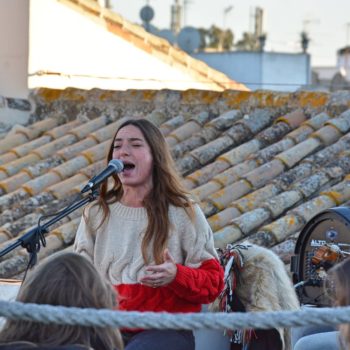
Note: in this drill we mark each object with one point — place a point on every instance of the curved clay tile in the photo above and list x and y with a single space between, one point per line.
72 150
226 178
8 157
63 129
85 129
172 124
15 166
14 182
157 117
327 135
27 206
298 152
209 132
11 141
25 134
183 132
25 148
279 204
329 152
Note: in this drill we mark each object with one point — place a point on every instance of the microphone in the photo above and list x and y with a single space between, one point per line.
114 166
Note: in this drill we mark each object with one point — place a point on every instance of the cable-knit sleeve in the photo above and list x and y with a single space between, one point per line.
200 278
84 241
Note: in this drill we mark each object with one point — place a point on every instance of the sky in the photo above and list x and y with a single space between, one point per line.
327 22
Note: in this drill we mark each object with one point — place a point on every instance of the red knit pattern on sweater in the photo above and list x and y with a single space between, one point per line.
191 288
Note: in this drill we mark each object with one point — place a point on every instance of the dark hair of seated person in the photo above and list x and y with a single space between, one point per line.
65 279
24 345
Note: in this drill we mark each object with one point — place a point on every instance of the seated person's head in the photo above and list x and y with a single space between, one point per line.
339 279
65 279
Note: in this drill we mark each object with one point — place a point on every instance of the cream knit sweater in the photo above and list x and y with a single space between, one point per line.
115 248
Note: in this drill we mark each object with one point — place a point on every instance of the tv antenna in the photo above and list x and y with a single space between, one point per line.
147 14
189 39
186 3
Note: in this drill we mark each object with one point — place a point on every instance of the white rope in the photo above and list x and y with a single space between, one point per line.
146 320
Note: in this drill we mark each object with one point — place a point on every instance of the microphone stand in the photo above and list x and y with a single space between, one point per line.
31 240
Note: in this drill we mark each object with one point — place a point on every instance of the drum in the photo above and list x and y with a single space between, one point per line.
322 243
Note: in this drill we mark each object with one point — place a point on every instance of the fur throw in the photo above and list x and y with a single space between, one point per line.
263 284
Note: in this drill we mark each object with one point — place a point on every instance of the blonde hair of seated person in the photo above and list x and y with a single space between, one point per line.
66 279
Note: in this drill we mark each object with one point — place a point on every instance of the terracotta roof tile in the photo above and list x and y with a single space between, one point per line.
222 218
66 232
225 178
201 176
308 210
317 121
203 191
62 189
302 133
226 119
183 132
222 198
12 183
210 131
84 130
27 206
25 148
70 168
42 166
286 180
40 183
268 153
312 184
251 220
97 152
342 123
240 153
211 150
230 233
278 204
258 120
39 127
264 173
14 265
329 152
278 230
339 193
62 130
257 198
73 149
293 119
8 157
295 154
15 166
51 148
327 135
173 124
11 141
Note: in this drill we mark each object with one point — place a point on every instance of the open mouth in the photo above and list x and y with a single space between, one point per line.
128 166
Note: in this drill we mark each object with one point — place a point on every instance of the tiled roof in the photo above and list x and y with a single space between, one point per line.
261 163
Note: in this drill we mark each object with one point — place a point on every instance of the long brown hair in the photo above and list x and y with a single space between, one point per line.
167 189
65 279
339 277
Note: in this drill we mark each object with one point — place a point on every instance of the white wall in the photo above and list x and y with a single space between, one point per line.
14 19
266 70
77 51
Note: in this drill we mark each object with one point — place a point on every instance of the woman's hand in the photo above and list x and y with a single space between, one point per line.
160 275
